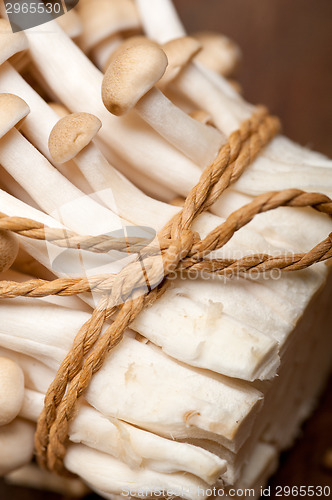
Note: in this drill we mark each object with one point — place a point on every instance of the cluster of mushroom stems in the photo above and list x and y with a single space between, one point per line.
135 109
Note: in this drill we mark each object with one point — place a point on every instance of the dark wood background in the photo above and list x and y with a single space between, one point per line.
287 57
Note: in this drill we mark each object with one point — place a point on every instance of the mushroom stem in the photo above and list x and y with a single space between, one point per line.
160 20
200 142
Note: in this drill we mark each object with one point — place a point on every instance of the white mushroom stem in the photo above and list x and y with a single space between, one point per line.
160 20
104 50
196 140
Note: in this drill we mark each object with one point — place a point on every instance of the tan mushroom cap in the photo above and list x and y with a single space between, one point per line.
179 52
127 43
219 53
8 250
71 134
130 75
105 18
12 111
11 43
11 390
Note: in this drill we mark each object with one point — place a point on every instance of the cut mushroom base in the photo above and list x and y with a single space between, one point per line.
197 415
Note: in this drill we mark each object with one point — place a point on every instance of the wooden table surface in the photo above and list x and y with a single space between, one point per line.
287 57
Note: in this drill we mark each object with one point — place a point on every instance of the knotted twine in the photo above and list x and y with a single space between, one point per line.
180 249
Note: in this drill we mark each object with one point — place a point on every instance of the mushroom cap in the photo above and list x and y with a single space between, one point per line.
105 18
130 75
11 43
179 52
71 134
12 110
8 250
129 42
11 390
219 53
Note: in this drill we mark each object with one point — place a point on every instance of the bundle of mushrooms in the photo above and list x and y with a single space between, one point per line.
213 380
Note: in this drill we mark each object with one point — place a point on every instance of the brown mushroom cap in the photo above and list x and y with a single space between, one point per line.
129 42
10 43
71 134
130 75
12 110
179 52
104 18
218 53
8 250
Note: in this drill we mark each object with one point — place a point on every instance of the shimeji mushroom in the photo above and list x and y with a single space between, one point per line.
11 390
105 26
129 83
127 137
50 50
39 178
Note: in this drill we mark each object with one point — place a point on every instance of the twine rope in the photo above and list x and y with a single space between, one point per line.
127 293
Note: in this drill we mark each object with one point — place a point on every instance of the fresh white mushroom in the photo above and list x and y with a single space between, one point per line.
129 83
11 390
127 137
